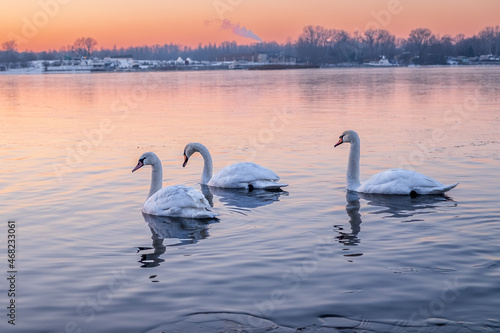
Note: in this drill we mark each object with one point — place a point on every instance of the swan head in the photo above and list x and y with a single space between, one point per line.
189 150
347 136
146 159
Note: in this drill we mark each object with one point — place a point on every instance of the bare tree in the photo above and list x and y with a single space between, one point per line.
10 51
487 41
312 43
9 46
419 39
447 47
368 39
345 48
497 40
84 46
386 43
377 43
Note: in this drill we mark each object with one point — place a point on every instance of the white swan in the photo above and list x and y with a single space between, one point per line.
240 175
393 181
176 200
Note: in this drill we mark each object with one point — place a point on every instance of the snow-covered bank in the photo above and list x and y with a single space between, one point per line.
36 67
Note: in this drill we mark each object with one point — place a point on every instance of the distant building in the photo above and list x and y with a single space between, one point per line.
124 61
250 57
258 57
126 56
281 58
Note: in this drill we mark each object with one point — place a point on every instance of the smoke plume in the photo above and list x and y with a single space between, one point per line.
240 31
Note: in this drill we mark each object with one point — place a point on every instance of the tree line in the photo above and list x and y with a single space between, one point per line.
321 45
316 44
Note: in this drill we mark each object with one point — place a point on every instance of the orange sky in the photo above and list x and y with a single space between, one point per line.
50 24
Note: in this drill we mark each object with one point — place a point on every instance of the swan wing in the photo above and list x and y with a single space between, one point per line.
242 175
178 201
401 181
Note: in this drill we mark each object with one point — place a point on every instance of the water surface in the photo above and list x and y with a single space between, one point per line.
313 257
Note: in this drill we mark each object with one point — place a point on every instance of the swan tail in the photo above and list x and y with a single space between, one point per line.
266 185
196 214
443 189
209 215
446 188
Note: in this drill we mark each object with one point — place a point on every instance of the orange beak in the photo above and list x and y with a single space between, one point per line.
186 159
339 142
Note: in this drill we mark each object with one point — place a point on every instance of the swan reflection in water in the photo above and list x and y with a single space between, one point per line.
185 230
392 206
242 198
352 209
404 206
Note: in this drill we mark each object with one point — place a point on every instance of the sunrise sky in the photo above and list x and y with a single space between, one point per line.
51 24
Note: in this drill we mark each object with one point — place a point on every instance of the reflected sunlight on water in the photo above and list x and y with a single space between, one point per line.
312 257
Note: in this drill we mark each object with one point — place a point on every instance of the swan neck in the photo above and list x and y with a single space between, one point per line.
156 178
207 164
353 165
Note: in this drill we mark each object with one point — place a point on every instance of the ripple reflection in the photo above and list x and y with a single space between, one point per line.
242 198
185 230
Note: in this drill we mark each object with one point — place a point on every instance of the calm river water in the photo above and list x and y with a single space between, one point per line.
313 257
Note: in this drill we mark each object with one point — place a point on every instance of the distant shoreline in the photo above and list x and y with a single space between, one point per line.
193 68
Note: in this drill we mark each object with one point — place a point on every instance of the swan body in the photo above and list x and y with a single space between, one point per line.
393 181
244 174
239 175
401 181
174 201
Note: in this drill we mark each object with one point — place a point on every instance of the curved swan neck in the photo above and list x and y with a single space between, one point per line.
156 177
353 164
207 162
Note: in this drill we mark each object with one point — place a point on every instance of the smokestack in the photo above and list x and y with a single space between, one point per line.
240 31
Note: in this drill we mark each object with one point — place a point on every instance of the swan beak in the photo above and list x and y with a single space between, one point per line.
186 159
340 142
138 166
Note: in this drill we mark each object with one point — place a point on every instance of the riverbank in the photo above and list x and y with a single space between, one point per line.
37 67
